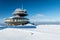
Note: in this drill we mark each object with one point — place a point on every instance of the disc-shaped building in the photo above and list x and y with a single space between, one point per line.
18 18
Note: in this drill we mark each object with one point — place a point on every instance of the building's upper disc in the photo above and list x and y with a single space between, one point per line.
20 11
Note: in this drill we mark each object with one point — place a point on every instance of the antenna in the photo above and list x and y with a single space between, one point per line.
22 5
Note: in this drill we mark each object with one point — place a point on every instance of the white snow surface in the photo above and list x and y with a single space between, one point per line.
42 32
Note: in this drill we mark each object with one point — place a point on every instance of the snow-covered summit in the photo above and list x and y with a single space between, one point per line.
42 32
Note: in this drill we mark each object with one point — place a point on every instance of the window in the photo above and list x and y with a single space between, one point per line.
15 20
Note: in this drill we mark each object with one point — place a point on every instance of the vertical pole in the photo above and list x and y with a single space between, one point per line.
22 5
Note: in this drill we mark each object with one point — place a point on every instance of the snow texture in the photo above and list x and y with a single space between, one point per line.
42 32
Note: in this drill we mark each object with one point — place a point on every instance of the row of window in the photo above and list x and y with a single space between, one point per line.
15 20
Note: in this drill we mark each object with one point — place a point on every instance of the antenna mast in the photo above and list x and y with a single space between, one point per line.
22 5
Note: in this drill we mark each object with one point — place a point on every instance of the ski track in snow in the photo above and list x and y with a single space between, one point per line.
42 32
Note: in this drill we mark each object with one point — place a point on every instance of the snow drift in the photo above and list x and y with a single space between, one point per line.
42 32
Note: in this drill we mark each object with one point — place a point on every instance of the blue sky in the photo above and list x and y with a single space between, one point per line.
38 10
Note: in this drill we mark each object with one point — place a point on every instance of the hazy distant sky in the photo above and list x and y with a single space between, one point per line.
42 10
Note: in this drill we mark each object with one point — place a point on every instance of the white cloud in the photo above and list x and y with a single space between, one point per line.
1 20
42 18
38 16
